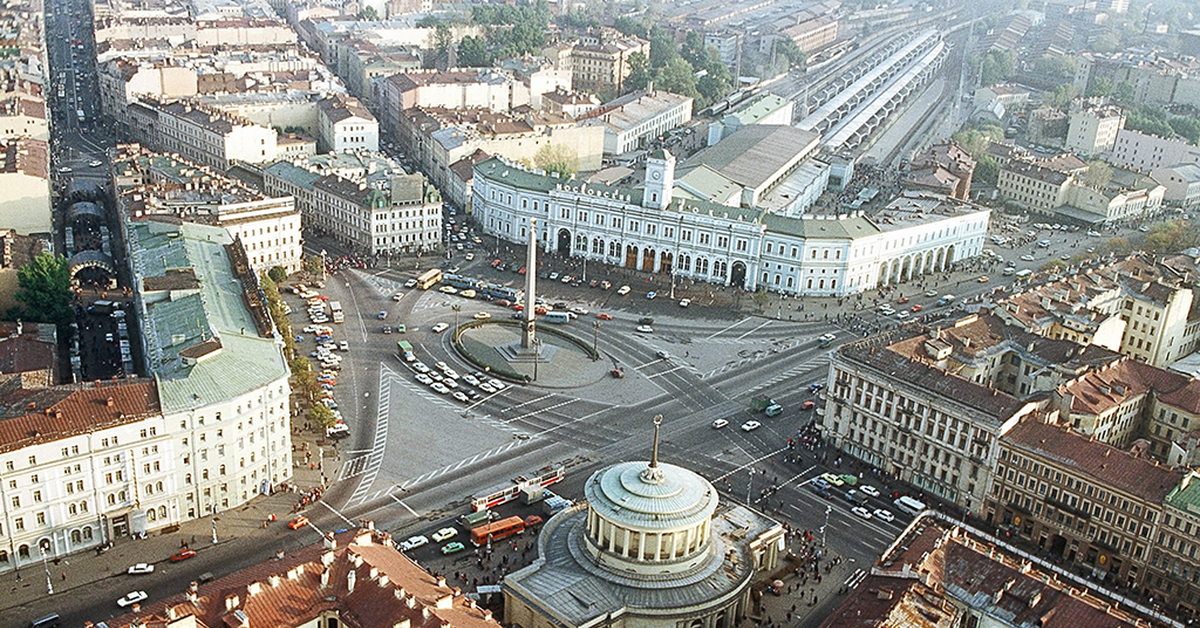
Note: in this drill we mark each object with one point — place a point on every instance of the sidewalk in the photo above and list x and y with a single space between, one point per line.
806 598
86 568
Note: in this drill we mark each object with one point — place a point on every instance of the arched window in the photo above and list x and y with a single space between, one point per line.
187 479
3 557
222 470
76 537
23 551
112 499
158 486
87 533
204 474
149 489
72 509
151 515
162 512
83 505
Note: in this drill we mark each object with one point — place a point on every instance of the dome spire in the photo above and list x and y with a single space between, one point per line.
652 474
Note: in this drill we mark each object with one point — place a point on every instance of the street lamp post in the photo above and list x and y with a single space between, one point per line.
214 522
595 336
457 308
825 528
49 581
537 356
749 482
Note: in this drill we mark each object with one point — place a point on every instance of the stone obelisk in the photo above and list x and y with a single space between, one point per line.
527 339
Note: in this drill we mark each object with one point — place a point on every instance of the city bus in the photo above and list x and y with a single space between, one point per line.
909 505
497 530
475 519
429 278
558 317
512 489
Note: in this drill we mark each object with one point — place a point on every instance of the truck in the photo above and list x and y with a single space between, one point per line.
405 350
763 403
336 308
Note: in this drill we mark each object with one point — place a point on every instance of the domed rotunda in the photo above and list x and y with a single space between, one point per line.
650 548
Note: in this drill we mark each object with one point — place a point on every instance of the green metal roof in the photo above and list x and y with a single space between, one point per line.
1186 496
244 362
846 228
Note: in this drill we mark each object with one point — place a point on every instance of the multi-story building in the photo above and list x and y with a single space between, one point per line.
1136 306
218 364
375 212
944 168
475 88
148 184
1181 183
345 125
1145 153
931 406
352 578
25 206
82 465
811 34
1036 187
599 61
713 234
632 121
23 115
1090 504
199 134
437 138
1094 130
765 108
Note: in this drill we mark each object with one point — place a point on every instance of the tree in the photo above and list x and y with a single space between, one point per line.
321 415
1055 66
1099 174
631 26
368 14
693 50
677 77
473 52
314 265
278 274
639 72
1123 92
558 158
278 311
987 171
786 48
1186 127
1060 97
305 378
443 40
663 47
44 289
996 67
1101 86
1118 245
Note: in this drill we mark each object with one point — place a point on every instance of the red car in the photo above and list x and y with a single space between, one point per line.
604 316
518 307
807 405
522 271
540 310
902 300
533 520
917 308
298 523
183 555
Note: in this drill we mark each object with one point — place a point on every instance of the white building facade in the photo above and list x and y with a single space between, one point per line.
649 230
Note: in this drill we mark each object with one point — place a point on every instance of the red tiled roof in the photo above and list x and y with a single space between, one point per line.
1104 389
298 588
1105 464
78 411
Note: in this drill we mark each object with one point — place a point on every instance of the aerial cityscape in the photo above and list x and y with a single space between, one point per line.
600 314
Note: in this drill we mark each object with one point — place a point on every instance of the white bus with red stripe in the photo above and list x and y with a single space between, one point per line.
512 489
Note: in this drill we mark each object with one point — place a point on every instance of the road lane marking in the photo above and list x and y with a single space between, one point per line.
718 333
335 511
672 370
765 323
406 506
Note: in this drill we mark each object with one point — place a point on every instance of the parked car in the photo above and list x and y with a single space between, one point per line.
141 568
414 542
444 533
451 548
623 290
182 555
862 512
131 598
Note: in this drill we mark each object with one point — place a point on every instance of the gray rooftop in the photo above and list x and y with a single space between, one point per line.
184 325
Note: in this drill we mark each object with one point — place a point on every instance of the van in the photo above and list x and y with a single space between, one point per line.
855 497
49 621
774 410
904 503
558 318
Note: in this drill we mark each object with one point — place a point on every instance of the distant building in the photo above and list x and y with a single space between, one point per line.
599 60
634 120
346 125
16 250
574 104
25 205
154 184
1094 130
943 168
355 578
1145 153
653 547
1182 183
201 135
371 212
765 108
1037 187
457 88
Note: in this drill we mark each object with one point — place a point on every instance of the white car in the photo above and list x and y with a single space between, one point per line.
497 384
623 290
750 426
133 597
424 379
487 388
343 346
410 283
450 373
141 568
868 490
414 542
397 296
420 367
884 515
449 382
443 534
470 379
439 388
461 396
720 423
862 512
482 316
440 327
578 311
441 366
644 329
685 302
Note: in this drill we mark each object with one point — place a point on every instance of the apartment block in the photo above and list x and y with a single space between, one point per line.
1145 153
1094 130
200 134
599 60
1181 183
634 120
1037 187
346 125
453 89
